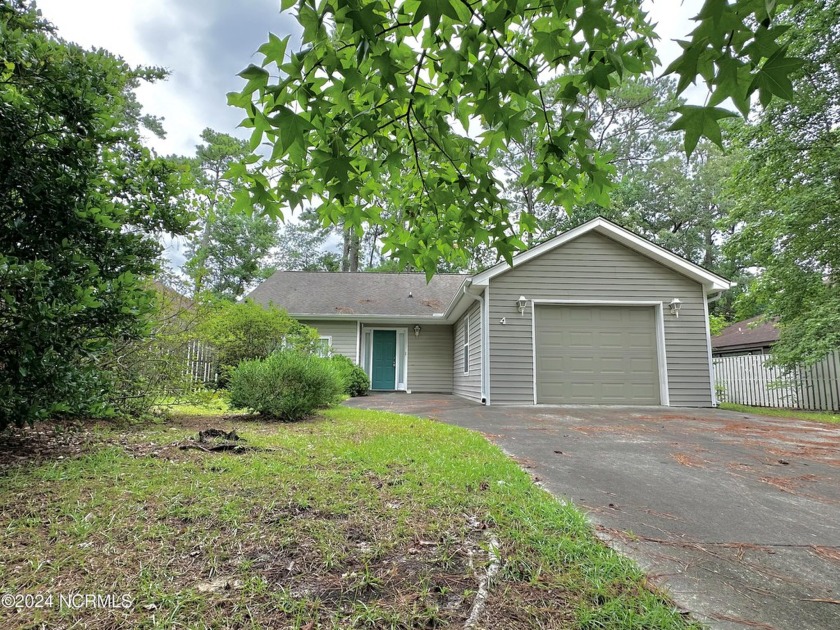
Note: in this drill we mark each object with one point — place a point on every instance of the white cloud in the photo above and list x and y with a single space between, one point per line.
203 43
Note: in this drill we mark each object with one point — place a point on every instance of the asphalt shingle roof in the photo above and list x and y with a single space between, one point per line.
747 333
325 293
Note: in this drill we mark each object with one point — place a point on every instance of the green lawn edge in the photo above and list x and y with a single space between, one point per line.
812 416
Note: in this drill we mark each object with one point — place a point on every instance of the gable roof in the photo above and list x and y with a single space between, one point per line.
748 333
348 295
710 281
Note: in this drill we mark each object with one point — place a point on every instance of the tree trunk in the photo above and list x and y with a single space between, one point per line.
350 251
709 258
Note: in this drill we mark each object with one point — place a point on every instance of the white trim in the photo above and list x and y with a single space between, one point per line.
659 323
533 348
329 343
399 330
709 351
485 345
358 342
465 346
711 282
662 356
482 308
436 318
405 387
458 294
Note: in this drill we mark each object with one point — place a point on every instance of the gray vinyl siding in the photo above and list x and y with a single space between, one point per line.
468 385
594 267
343 333
429 359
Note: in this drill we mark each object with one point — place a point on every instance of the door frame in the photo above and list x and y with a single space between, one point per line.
658 322
401 386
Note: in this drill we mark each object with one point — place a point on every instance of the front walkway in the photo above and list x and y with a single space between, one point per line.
738 516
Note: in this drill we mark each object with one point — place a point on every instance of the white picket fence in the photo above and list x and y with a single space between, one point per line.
201 364
747 380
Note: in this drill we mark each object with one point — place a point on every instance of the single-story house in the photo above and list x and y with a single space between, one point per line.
597 315
749 336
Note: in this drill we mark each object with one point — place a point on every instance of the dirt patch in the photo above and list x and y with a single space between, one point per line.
523 606
827 553
689 461
788 484
624 429
822 454
218 441
45 442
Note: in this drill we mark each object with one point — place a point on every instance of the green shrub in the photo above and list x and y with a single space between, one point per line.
356 382
288 385
246 330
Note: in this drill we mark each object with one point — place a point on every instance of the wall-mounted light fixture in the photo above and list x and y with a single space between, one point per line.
417 330
521 303
675 307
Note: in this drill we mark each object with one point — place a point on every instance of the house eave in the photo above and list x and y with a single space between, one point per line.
436 318
711 282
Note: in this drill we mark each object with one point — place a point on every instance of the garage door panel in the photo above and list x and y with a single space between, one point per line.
596 355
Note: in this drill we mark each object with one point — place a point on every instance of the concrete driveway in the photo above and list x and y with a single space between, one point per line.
738 516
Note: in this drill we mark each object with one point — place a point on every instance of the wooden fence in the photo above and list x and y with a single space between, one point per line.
747 380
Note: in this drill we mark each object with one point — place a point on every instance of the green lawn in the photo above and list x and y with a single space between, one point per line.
814 416
200 404
354 519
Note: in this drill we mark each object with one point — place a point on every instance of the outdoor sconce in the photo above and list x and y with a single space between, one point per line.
521 303
675 307
417 330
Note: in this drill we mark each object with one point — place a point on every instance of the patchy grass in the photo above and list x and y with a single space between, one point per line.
813 416
355 519
200 404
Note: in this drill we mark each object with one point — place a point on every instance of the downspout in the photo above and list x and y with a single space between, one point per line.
485 359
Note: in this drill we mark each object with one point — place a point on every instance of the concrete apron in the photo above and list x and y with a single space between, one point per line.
736 516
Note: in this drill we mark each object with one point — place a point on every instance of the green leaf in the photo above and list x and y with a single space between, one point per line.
366 20
253 72
257 78
698 122
274 50
686 65
772 78
732 81
292 127
435 9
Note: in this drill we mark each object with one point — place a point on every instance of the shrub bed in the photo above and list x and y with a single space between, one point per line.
356 382
287 385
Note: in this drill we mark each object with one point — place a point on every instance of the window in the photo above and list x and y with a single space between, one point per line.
467 344
323 347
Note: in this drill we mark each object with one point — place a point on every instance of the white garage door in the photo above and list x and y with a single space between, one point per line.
596 355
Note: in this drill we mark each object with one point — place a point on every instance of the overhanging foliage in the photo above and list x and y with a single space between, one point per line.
412 101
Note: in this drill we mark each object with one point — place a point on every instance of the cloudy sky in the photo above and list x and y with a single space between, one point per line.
205 43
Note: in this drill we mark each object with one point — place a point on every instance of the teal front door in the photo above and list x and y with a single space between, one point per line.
384 364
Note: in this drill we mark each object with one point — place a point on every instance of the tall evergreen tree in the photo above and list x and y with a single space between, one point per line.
82 202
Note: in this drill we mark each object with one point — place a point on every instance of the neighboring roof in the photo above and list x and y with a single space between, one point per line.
172 300
749 333
321 293
711 281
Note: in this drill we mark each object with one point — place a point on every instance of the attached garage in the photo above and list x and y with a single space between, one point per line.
596 354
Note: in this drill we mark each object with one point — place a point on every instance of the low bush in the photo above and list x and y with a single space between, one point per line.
356 382
246 330
287 385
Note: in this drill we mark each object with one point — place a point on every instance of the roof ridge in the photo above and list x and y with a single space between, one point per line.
371 273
